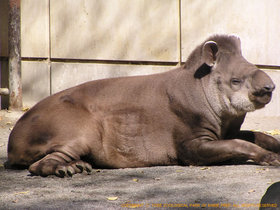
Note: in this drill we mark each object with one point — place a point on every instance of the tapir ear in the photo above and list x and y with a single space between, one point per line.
209 52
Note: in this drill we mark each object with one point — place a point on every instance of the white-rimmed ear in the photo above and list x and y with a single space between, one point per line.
209 52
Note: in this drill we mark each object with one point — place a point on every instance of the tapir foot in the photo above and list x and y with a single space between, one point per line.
72 168
270 158
55 165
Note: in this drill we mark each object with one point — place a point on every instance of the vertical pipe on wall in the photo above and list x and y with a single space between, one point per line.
50 47
180 32
15 85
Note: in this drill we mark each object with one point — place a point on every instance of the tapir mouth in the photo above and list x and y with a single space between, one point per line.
261 98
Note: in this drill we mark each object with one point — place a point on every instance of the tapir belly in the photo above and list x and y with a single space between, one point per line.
131 138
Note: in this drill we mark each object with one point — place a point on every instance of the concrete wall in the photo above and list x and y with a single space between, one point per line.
68 42
254 21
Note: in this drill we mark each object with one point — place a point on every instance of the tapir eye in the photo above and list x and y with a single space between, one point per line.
236 81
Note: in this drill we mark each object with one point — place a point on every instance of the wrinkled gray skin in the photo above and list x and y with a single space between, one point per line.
190 116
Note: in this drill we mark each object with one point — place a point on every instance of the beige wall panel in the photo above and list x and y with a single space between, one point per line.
4 27
34 28
256 22
69 75
273 108
35 82
115 29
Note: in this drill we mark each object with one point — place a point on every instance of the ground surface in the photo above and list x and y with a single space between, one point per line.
217 187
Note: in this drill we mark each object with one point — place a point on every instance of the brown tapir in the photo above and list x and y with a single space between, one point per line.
190 116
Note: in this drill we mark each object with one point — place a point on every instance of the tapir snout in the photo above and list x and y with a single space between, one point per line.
263 87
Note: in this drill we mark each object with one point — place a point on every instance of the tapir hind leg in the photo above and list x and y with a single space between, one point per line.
59 164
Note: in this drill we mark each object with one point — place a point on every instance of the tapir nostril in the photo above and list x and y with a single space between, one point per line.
269 88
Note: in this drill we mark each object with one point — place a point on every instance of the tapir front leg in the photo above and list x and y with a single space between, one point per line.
205 152
265 141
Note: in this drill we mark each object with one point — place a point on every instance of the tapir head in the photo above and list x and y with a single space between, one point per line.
240 86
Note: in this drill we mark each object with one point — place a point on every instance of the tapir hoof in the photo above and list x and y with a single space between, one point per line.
72 168
270 158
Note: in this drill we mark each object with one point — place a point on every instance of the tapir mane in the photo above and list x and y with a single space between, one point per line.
226 43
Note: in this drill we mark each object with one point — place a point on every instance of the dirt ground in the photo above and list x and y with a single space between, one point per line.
174 187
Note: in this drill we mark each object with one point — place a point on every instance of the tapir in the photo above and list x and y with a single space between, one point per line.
190 115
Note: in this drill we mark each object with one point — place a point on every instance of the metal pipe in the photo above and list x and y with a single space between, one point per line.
15 85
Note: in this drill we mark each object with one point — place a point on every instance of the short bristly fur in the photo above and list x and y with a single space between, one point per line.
226 43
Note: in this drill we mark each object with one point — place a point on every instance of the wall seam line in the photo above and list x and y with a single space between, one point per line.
180 33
